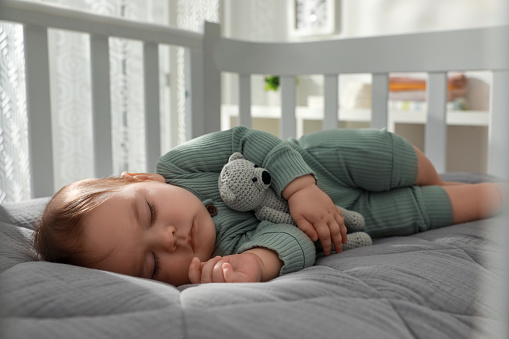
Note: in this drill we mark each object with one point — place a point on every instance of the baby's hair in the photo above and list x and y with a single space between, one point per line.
57 237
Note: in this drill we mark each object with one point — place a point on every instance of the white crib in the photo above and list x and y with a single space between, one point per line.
208 55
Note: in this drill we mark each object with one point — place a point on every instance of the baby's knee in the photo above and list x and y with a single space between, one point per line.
426 172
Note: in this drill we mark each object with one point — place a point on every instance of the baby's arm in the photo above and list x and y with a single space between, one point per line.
255 265
315 213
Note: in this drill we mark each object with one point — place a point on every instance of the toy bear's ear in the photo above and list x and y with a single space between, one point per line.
235 156
227 194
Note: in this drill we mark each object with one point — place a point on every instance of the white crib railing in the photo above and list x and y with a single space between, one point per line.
435 53
209 55
36 20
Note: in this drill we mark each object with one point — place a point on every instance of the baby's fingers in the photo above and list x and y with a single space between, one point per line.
306 227
324 235
207 271
229 274
195 271
342 227
218 273
336 236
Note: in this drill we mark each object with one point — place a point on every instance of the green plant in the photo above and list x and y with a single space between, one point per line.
271 83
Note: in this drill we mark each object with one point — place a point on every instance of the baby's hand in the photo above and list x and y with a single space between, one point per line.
316 215
244 267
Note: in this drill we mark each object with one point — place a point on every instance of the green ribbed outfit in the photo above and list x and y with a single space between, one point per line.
369 171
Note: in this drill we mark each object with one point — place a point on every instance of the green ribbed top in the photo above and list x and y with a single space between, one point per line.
358 169
195 165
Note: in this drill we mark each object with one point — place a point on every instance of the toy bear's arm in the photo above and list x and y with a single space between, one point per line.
274 209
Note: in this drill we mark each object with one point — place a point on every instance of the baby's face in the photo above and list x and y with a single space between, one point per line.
151 230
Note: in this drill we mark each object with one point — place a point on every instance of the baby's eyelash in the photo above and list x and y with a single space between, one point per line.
153 214
156 266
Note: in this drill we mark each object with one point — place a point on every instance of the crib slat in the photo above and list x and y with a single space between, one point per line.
39 111
245 100
152 122
195 123
330 102
435 144
101 105
288 122
379 97
209 79
498 137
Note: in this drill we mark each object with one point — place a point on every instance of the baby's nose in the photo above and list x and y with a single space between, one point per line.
169 239
266 178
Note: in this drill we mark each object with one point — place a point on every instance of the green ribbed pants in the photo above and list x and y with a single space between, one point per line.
373 172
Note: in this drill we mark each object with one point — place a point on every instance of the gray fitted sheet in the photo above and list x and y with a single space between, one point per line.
429 285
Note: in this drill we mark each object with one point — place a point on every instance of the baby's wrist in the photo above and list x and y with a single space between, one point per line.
270 264
297 185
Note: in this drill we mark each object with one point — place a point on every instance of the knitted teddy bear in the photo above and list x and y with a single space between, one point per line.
245 186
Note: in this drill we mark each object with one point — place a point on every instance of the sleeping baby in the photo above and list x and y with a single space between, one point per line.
173 226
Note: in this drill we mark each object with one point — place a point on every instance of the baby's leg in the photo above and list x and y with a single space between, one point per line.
404 211
469 201
474 201
372 160
427 174
409 210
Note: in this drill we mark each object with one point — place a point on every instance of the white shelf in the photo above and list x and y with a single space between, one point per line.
457 118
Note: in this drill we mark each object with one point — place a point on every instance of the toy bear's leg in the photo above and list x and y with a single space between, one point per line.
354 221
357 239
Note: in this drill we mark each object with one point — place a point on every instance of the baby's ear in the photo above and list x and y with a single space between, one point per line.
143 176
235 156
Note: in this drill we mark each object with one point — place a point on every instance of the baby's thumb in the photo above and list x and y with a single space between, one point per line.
195 271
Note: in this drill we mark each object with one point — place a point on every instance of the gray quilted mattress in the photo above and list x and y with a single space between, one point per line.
429 285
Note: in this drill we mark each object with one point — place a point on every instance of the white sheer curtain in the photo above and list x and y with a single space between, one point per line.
14 176
71 99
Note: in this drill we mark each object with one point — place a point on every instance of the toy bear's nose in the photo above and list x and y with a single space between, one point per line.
266 177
